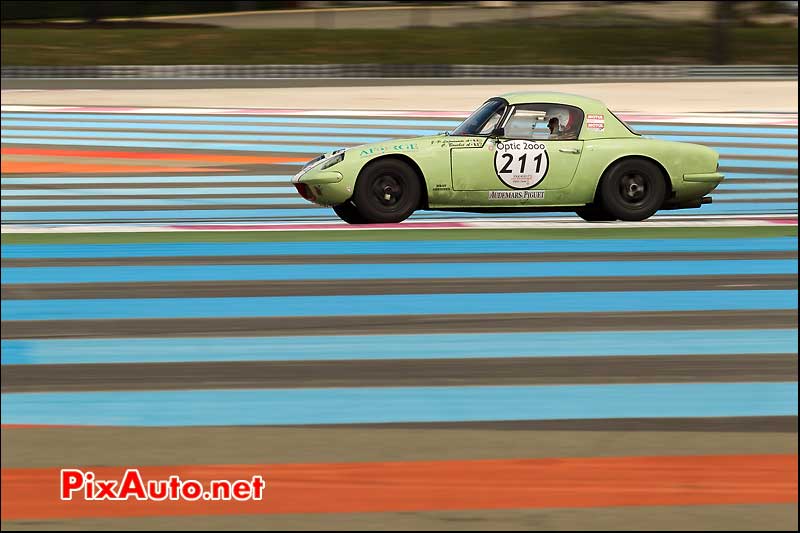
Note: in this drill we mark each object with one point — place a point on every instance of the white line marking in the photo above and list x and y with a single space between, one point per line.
333 225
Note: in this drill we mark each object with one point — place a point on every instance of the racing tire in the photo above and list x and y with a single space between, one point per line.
349 213
633 190
594 213
387 191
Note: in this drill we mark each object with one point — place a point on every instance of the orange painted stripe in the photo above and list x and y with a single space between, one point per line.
33 494
212 157
46 426
42 167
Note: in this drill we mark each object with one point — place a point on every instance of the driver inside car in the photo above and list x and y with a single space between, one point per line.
558 122
555 129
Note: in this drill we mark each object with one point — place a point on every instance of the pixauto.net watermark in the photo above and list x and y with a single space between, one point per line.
87 486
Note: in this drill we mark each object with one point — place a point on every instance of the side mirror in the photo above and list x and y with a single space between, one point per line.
498 132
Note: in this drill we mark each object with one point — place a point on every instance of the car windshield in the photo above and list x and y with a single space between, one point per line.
482 121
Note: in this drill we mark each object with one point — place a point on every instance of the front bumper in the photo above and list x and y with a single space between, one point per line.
321 177
323 187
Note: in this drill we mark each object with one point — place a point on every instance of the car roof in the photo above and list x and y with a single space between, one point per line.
534 97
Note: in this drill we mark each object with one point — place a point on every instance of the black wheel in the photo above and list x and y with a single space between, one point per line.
387 191
349 213
594 213
633 189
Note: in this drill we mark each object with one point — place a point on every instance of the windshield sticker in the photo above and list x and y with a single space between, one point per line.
516 195
521 164
596 122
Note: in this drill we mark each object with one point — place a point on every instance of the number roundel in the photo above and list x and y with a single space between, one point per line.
521 164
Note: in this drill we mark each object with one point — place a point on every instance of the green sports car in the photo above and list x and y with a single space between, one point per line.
527 151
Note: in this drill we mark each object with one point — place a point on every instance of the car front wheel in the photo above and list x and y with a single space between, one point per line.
633 189
387 191
349 213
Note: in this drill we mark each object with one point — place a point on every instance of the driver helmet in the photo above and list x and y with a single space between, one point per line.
562 115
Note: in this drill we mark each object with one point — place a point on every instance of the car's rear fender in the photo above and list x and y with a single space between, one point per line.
673 158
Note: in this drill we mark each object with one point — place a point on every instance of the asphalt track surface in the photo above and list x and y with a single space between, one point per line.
450 378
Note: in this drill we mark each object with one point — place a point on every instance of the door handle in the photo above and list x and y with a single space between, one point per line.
569 150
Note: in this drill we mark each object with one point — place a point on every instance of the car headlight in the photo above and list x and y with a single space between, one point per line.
314 161
332 161
322 162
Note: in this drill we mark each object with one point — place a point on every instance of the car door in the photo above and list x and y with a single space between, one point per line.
525 155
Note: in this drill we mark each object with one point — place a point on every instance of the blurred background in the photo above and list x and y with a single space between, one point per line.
487 32
170 303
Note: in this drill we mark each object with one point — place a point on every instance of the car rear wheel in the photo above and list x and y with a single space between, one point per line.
349 213
633 189
387 191
594 213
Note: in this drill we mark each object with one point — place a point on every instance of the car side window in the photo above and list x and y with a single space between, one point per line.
542 122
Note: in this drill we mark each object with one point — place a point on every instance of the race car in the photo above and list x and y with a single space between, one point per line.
518 152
